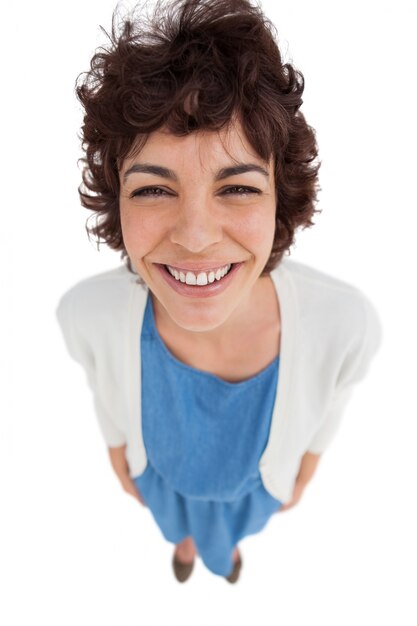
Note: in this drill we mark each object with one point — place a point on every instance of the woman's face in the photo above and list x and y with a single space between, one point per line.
184 204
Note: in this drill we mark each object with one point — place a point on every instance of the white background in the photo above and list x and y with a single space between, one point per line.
75 548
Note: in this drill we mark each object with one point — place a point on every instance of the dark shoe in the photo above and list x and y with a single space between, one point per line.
234 576
182 571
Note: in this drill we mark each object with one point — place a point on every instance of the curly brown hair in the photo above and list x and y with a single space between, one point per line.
191 65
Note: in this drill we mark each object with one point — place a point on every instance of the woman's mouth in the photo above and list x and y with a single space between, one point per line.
199 284
199 278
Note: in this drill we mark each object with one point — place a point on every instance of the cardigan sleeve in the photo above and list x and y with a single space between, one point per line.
354 368
81 351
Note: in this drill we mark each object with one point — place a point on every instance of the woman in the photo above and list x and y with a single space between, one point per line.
220 369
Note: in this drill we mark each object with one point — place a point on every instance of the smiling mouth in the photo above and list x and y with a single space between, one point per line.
199 278
200 286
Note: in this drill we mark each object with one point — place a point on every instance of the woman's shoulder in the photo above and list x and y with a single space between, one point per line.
322 292
103 281
105 288
336 302
101 302
304 275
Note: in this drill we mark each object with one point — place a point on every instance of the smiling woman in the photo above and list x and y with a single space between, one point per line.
220 370
205 214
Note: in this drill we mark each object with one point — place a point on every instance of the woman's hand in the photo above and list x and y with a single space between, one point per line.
306 472
296 495
121 468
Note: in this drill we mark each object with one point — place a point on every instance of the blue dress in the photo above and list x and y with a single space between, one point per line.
203 438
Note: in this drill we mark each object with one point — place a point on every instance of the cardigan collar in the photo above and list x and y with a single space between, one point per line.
286 295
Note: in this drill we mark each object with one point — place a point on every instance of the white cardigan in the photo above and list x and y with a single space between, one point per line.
330 332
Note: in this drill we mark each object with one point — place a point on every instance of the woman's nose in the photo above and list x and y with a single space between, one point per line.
197 226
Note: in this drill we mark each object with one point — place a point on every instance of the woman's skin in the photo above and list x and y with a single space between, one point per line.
194 218
198 220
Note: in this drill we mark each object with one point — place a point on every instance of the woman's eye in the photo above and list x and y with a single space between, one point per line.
240 190
149 191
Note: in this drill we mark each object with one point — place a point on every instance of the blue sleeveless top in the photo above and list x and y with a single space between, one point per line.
203 438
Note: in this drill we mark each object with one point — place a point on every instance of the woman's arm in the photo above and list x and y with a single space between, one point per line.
308 466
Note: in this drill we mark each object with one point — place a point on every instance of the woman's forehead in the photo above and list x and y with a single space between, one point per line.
210 147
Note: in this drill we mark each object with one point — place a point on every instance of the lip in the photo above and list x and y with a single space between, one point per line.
199 291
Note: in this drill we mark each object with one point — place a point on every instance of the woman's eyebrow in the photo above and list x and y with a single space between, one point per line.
148 168
164 172
240 168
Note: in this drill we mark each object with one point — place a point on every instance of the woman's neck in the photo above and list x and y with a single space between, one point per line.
260 310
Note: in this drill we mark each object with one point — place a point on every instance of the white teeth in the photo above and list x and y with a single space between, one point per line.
190 278
202 278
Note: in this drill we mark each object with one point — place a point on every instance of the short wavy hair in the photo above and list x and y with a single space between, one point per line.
191 65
